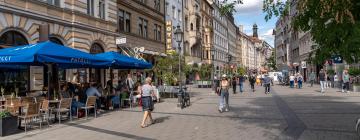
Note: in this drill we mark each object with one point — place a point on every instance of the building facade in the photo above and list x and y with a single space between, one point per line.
282 44
220 39
231 40
88 26
173 18
207 30
193 46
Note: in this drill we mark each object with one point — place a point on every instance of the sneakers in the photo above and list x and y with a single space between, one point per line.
226 110
220 111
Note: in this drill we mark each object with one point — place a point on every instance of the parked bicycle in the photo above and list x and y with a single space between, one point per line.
183 97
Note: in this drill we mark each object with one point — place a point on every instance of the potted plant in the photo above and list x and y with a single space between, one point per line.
355 74
8 124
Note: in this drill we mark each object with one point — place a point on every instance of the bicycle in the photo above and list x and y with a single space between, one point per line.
183 98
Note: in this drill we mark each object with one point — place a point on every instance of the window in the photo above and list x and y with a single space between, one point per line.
173 12
124 21
157 5
179 15
90 7
186 3
143 27
54 2
157 32
167 9
143 1
101 9
186 24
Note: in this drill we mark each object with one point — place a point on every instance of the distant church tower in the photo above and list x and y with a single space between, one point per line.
255 33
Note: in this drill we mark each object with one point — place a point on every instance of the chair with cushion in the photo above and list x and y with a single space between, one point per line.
64 107
90 104
32 113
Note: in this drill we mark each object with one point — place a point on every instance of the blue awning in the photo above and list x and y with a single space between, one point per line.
49 53
120 61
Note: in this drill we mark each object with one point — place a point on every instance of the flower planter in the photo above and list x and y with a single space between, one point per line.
356 88
8 126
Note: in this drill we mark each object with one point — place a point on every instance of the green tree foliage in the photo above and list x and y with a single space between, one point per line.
333 24
168 68
272 61
205 71
241 71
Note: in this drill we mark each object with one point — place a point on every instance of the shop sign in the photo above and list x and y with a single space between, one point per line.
121 40
169 27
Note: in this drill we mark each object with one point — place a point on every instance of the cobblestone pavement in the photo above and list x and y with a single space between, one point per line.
286 113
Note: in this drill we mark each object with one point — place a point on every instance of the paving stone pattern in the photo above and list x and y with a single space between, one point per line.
304 114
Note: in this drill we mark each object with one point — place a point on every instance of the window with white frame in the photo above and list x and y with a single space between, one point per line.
157 32
157 5
90 7
179 15
143 27
102 9
53 2
173 12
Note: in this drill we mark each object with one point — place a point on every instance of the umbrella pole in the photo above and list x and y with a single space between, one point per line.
49 80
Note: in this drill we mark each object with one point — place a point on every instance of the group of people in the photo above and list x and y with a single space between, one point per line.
296 80
222 88
332 80
105 97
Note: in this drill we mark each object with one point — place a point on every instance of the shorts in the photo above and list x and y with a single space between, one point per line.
147 103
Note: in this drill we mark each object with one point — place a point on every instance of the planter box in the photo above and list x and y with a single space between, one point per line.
356 88
8 126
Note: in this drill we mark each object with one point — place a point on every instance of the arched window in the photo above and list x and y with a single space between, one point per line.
11 77
12 38
191 26
97 75
56 40
96 48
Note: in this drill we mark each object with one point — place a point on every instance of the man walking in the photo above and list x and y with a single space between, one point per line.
322 79
312 78
300 80
241 83
292 81
252 80
267 81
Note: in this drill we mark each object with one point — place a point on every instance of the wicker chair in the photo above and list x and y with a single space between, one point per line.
90 104
32 113
12 105
64 107
45 111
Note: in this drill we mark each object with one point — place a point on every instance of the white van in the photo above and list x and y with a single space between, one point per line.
274 75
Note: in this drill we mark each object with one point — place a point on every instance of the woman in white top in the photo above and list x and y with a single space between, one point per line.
292 81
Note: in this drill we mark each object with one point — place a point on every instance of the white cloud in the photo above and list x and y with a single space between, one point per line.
249 7
268 37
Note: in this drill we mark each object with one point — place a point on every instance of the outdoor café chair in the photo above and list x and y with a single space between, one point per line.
12 105
26 100
39 99
32 113
45 111
90 104
64 107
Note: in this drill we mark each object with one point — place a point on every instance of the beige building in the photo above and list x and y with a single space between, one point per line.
207 29
85 25
88 25
193 34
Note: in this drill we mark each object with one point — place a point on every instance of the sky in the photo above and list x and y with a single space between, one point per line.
249 13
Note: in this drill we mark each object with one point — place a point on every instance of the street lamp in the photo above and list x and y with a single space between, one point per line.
212 51
179 37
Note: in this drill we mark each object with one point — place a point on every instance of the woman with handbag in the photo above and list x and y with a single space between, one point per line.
224 94
147 91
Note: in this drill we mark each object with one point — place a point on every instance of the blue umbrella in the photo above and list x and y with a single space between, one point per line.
49 53
123 62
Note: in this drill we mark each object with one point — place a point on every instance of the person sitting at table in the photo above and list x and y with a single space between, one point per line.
93 91
64 92
137 93
79 99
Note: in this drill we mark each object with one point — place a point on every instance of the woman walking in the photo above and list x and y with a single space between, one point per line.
147 91
224 94
233 83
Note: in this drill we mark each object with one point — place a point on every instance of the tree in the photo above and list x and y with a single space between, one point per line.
333 24
272 61
241 71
